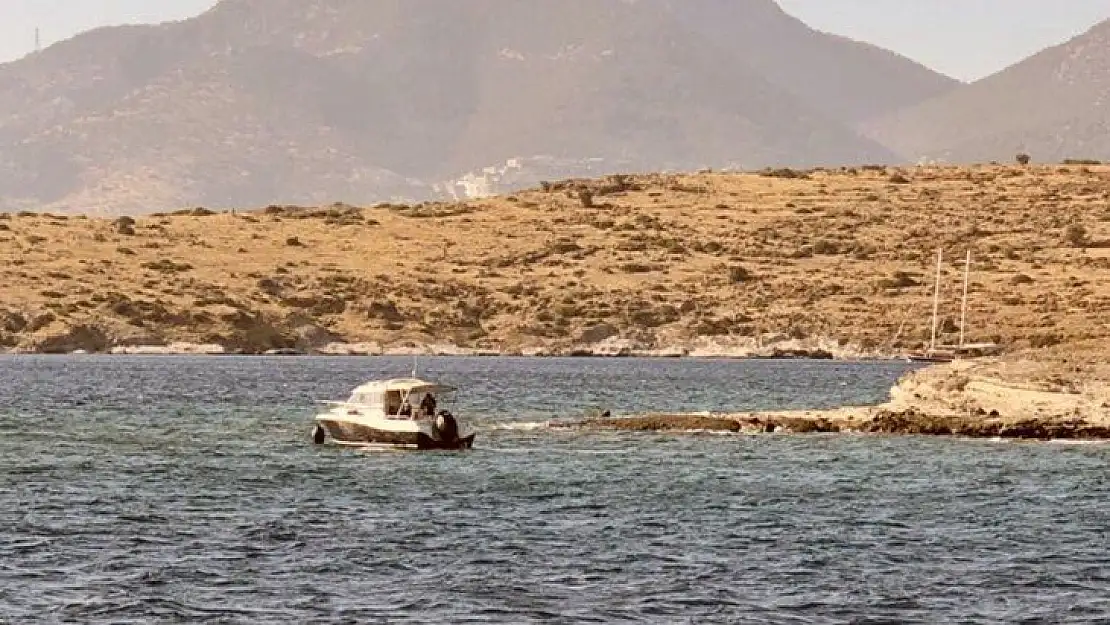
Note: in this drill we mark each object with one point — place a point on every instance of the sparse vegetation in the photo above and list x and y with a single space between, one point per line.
899 280
125 225
1040 341
785 172
1076 235
738 274
167 266
669 256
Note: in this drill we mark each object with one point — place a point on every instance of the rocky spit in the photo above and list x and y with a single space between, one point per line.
909 421
966 398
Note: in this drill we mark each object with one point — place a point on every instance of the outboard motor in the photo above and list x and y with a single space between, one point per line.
445 428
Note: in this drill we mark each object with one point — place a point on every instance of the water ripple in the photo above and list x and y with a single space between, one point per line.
143 489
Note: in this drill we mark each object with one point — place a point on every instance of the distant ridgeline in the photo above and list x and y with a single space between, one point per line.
287 101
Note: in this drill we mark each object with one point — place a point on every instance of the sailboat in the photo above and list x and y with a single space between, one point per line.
948 353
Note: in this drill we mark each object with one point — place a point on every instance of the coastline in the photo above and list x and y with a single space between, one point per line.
998 398
216 352
1044 394
748 350
832 265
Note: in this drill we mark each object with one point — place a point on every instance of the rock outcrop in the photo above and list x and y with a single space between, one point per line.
80 338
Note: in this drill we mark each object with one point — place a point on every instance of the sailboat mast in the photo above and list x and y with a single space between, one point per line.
963 306
936 301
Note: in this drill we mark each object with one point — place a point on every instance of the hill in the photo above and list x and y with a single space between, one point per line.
849 80
305 102
1053 106
836 262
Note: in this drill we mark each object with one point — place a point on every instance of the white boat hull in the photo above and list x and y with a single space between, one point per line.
399 433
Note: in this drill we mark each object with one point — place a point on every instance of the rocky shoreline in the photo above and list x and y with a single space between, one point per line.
1033 395
971 399
782 350
906 422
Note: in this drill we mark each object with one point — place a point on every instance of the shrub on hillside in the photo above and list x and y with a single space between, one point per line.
1076 235
125 225
167 266
738 274
784 172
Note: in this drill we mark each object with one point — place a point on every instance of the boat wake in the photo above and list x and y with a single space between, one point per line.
1080 442
518 426
557 451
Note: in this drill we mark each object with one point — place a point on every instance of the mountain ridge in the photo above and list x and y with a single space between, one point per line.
301 102
1053 105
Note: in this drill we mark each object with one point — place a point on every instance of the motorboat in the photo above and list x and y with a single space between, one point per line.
400 412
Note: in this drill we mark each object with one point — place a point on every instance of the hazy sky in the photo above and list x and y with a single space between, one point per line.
966 39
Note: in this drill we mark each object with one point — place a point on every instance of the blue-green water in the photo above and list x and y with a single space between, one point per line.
140 490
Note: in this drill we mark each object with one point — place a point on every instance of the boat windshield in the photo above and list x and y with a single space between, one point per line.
365 399
416 402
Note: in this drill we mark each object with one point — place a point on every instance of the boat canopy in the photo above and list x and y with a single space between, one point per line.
407 386
391 395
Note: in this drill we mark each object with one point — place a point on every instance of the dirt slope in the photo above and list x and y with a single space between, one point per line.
839 261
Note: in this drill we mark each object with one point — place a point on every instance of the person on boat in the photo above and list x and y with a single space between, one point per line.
428 405
406 409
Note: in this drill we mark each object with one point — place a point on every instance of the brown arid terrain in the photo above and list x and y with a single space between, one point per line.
822 263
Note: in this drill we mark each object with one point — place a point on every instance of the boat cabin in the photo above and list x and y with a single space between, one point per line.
408 398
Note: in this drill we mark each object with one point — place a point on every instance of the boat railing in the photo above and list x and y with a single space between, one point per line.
346 404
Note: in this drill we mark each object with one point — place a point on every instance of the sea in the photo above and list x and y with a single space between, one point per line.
175 489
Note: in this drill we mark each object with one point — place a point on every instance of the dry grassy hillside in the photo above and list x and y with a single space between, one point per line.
830 258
